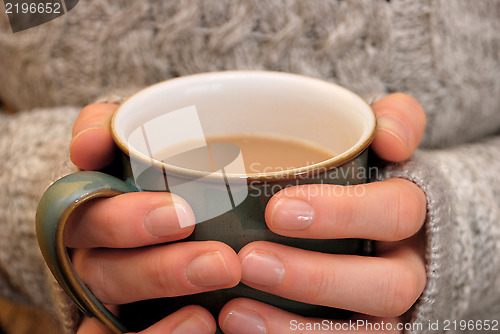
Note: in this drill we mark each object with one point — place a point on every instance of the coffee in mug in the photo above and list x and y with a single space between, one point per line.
261 153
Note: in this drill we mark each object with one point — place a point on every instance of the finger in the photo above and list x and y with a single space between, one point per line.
129 220
123 276
243 315
190 319
400 127
94 326
389 210
92 146
91 326
378 286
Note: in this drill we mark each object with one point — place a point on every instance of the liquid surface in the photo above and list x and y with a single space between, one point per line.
261 153
273 153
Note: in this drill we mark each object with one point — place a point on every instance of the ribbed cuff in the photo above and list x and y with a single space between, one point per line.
438 301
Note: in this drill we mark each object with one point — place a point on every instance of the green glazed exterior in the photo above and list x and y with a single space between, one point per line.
241 225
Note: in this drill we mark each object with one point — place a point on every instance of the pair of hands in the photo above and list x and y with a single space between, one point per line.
108 235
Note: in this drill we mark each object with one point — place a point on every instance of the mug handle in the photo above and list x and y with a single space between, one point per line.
54 209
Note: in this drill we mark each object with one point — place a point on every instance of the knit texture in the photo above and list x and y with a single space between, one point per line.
445 53
33 151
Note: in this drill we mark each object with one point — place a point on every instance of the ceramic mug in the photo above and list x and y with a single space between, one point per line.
228 202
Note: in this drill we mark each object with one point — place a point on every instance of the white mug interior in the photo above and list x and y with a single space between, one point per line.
258 102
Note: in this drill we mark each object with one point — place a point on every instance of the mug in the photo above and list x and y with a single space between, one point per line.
228 201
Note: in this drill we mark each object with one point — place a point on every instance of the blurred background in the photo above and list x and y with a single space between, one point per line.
22 319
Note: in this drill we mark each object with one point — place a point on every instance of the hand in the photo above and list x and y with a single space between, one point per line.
107 238
380 288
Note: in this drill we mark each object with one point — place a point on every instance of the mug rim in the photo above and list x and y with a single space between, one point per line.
281 175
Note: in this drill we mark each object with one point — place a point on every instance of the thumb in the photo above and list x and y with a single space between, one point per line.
92 146
400 126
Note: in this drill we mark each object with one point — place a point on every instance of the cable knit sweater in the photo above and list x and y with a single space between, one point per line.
446 53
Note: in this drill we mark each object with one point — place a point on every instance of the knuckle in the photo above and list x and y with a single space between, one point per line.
323 285
93 113
88 109
410 210
111 227
161 278
93 273
399 291
342 213
77 258
93 108
406 97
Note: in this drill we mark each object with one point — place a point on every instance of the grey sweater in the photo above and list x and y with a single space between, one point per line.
446 53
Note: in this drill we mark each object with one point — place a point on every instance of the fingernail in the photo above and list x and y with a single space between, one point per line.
394 126
292 214
208 269
194 324
243 321
167 220
262 268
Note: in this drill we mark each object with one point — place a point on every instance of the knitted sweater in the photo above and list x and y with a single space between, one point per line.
445 53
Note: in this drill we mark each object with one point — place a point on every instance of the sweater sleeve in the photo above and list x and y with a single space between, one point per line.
462 186
33 152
